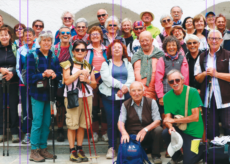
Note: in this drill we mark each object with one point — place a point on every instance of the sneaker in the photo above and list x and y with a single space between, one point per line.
105 137
60 136
167 155
95 137
15 138
74 157
82 156
157 160
35 156
44 153
110 153
26 139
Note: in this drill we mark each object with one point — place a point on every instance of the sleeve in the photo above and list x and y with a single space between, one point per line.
185 71
158 39
58 69
107 78
166 104
197 68
155 43
160 72
131 77
123 114
195 99
130 54
18 65
155 111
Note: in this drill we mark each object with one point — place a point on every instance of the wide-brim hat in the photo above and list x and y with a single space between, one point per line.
147 11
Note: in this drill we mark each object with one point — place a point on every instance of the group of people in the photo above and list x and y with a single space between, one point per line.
136 76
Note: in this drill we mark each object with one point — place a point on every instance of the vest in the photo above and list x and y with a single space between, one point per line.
133 124
169 65
222 65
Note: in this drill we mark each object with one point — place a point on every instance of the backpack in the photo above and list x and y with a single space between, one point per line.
132 153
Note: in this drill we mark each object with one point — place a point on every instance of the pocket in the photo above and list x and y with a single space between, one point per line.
69 120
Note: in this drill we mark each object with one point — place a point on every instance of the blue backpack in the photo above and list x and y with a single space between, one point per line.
132 153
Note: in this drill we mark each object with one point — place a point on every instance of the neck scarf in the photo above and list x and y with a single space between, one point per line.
85 64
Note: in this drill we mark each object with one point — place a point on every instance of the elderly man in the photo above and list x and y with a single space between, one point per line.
174 104
144 63
133 47
212 71
221 23
1 21
139 115
176 13
210 19
102 15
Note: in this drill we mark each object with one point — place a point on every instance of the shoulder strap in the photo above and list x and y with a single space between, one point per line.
36 58
131 47
161 37
186 102
56 50
14 49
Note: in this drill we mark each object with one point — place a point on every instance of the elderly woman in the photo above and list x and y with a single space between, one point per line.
192 43
180 34
173 59
188 26
126 27
221 23
96 56
63 50
117 75
74 70
42 64
112 25
166 22
18 31
9 75
199 24
67 20
81 26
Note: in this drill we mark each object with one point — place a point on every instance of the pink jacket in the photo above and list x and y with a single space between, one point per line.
160 74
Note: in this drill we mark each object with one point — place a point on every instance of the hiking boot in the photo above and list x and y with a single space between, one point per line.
157 160
95 137
74 157
105 137
60 136
44 153
82 156
15 138
26 139
110 153
35 156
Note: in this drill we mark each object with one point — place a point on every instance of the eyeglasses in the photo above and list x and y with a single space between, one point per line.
79 49
212 39
43 32
166 20
38 26
177 31
114 25
190 43
67 33
81 27
140 28
102 15
95 34
19 29
67 18
188 22
172 81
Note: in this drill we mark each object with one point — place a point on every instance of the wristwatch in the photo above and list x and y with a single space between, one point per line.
146 129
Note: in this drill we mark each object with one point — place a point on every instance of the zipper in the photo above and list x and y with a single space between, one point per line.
6 54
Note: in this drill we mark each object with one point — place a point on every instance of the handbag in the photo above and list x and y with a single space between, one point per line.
219 154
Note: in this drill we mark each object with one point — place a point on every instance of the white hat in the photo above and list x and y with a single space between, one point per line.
147 11
176 143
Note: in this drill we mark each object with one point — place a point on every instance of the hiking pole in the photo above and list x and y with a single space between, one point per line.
52 112
8 115
4 108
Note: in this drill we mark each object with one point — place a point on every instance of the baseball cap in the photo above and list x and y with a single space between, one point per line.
147 11
210 12
176 143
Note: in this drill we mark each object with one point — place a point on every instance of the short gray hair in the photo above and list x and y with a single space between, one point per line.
63 26
45 35
105 11
164 16
174 71
127 19
66 12
178 7
139 83
192 37
215 31
112 18
79 20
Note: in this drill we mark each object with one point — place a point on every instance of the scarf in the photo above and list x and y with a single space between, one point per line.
146 62
85 64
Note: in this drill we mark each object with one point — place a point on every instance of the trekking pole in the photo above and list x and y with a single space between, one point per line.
52 112
4 108
8 115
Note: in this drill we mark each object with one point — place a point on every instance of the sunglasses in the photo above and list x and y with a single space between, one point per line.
172 81
67 33
81 27
38 26
43 32
67 18
79 49
190 43
102 15
19 29
140 28
114 25
166 20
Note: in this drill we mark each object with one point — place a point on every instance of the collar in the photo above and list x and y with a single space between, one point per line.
175 57
141 104
190 56
182 42
214 53
90 46
177 23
